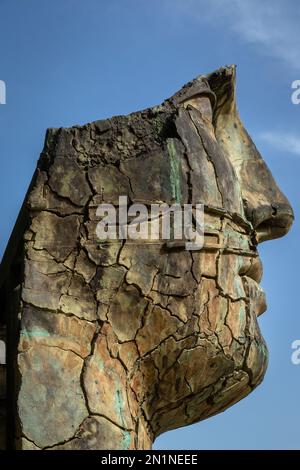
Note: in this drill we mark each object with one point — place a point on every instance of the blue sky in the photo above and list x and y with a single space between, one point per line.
69 62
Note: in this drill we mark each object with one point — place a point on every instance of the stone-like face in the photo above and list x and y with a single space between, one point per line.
156 336
200 329
202 337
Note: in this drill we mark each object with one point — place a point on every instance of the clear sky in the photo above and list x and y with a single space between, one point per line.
69 62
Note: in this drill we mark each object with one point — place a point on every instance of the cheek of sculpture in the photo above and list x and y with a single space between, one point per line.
191 332
199 344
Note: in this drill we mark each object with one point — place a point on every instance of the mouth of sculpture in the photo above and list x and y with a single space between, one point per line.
251 278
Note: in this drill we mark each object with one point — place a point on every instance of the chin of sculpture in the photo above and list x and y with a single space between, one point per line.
113 343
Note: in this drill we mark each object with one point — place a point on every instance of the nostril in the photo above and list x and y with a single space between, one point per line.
274 211
270 221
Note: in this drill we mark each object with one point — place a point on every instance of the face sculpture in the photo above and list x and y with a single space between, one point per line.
156 337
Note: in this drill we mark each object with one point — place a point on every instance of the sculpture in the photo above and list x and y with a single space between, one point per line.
122 341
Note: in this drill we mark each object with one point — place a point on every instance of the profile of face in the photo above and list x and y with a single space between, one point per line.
176 337
192 315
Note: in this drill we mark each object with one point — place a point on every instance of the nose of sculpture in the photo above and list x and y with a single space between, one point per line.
275 221
265 205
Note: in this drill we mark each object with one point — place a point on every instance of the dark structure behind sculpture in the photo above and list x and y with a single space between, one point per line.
110 345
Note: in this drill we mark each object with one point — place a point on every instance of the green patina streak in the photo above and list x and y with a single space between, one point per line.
35 333
263 349
238 286
119 406
126 440
100 364
175 178
242 314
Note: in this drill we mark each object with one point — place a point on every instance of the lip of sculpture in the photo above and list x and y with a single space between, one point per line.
254 270
251 278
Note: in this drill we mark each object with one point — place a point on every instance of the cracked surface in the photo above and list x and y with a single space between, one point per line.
120 342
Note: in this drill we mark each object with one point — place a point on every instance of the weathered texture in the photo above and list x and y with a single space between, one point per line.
122 341
51 402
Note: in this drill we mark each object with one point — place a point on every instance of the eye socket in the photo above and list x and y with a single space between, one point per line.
203 104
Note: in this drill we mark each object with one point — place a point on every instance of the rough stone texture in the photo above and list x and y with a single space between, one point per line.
51 403
122 341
